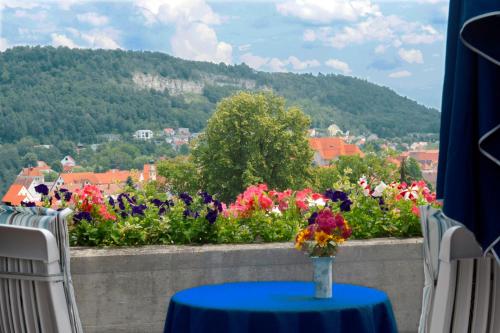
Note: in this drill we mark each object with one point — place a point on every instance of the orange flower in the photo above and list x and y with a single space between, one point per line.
322 238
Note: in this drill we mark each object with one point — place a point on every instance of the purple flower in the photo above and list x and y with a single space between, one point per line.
312 218
339 196
157 202
138 210
169 203
207 198
42 189
78 217
162 211
123 214
345 206
111 201
382 204
28 204
188 213
218 205
56 195
186 198
211 216
67 194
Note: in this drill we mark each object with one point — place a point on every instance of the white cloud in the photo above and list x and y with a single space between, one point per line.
426 35
338 65
177 11
194 37
309 35
411 56
198 41
399 74
100 40
92 18
66 4
299 65
20 4
322 11
38 16
253 61
380 49
4 44
244 47
277 65
63 40
389 30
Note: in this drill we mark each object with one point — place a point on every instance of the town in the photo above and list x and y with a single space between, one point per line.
327 144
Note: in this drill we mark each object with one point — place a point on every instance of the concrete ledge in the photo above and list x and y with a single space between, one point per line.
128 289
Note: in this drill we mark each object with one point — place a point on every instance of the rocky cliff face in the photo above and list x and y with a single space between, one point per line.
179 87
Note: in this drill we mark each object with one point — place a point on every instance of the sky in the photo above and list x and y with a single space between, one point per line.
398 44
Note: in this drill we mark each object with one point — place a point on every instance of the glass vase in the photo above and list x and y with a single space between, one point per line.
323 276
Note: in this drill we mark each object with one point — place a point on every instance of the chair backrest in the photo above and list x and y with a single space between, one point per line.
434 224
54 222
32 295
467 296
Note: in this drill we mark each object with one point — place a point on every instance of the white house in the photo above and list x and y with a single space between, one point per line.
68 161
143 135
334 130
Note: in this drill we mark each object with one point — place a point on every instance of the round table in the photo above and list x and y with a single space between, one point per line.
260 307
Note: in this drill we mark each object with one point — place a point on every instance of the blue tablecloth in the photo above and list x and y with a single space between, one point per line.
288 307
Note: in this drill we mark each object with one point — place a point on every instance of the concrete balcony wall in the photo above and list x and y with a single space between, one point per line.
128 289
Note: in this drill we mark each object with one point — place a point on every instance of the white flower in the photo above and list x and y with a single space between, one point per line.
276 211
379 190
318 202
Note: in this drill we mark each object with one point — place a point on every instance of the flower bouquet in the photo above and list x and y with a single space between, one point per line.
326 230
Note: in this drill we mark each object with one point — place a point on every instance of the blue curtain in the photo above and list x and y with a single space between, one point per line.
469 160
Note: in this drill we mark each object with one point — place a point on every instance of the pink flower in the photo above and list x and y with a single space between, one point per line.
265 202
326 221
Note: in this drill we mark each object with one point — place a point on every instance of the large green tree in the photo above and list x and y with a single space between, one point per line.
253 138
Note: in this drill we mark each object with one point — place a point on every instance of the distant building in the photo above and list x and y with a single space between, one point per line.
168 131
418 145
334 130
148 173
183 131
16 194
311 132
329 149
143 135
68 161
428 159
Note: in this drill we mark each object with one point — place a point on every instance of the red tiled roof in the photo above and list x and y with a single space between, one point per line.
331 148
109 177
34 171
12 196
425 155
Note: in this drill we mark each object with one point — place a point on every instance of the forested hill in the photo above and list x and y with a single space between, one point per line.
52 94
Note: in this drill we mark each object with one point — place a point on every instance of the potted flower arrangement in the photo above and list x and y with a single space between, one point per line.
326 230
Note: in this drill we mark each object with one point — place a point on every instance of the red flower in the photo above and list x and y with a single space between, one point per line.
265 202
326 221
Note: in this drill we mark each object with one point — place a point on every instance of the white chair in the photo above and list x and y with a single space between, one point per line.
467 295
32 295
434 224
18 270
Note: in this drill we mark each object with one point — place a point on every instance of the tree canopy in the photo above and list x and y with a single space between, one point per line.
254 138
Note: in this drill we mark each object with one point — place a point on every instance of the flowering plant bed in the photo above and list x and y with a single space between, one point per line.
148 216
